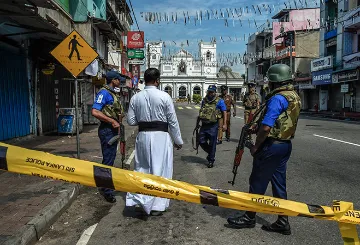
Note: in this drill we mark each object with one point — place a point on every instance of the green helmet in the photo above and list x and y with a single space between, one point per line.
279 73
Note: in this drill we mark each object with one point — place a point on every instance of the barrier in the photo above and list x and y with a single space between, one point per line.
41 164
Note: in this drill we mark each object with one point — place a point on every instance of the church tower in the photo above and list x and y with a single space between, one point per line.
208 55
153 54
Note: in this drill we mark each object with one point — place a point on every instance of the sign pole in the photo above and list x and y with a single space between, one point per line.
77 118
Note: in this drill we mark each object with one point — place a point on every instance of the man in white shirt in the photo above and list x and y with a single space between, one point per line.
153 111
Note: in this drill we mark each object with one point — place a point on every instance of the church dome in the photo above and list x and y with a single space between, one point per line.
225 69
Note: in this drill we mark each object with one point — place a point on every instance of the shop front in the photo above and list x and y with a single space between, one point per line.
322 79
348 82
308 95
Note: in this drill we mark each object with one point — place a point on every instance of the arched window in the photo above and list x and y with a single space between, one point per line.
270 41
182 92
197 90
208 55
266 43
168 90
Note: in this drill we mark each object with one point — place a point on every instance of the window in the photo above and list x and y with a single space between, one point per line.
182 92
182 68
94 35
167 68
197 90
208 55
153 57
358 46
168 90
266 43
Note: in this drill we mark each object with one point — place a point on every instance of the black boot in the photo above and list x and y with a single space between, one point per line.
281 226
245 221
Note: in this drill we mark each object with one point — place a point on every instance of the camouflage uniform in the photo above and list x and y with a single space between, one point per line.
228 102
250 102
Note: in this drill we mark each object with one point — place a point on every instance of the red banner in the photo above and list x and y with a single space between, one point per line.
135 39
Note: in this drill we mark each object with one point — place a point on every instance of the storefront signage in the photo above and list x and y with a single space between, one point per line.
135 54
348 76
354 62
322 77
136 62
306 85
344 88
135 39
322 63
331 42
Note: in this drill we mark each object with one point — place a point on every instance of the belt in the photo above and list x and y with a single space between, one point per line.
277 141
250 108
153 126
228 110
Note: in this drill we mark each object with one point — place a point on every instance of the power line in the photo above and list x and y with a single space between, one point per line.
136 20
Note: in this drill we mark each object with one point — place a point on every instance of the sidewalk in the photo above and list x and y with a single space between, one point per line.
29 205
347 116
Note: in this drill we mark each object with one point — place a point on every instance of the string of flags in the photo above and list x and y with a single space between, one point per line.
229 15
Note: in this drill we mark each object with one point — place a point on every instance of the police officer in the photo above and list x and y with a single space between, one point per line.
107 108
275 127
212 109
251 101
228 99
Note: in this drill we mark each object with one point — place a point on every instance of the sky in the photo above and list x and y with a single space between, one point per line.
180 33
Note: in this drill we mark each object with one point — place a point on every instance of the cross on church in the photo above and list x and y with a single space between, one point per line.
182 45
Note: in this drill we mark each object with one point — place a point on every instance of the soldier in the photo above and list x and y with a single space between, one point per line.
107 108
228 99
275 127
212 109
251 101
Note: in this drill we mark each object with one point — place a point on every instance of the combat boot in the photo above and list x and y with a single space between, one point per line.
245 221
281 226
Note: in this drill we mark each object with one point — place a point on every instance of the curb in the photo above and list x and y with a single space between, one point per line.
38 226
35 228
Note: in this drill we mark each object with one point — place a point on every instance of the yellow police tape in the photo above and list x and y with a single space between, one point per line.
41 164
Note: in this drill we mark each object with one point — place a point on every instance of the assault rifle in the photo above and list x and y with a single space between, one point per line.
195 140
244 141
120 137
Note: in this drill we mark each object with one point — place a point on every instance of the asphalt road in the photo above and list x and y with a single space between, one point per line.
320 170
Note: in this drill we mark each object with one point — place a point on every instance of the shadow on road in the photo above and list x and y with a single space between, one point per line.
194 159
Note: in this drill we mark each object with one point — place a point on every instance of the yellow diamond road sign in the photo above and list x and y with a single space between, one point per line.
74 53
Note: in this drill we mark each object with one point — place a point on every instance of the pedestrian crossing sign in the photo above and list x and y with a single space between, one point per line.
74 53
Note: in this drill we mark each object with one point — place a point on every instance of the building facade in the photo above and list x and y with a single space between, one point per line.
340 41
290 40
182 74
32 31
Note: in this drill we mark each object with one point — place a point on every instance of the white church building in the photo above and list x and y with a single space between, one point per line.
183 74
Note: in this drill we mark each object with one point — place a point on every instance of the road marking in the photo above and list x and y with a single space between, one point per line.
197 107
336 140
180 108
128 162
188 107
85 237
240 117
240 107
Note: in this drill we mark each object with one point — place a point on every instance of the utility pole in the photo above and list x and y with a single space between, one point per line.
291 57
148 54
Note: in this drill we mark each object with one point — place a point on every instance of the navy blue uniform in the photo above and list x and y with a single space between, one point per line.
105 133
208 134
270 161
